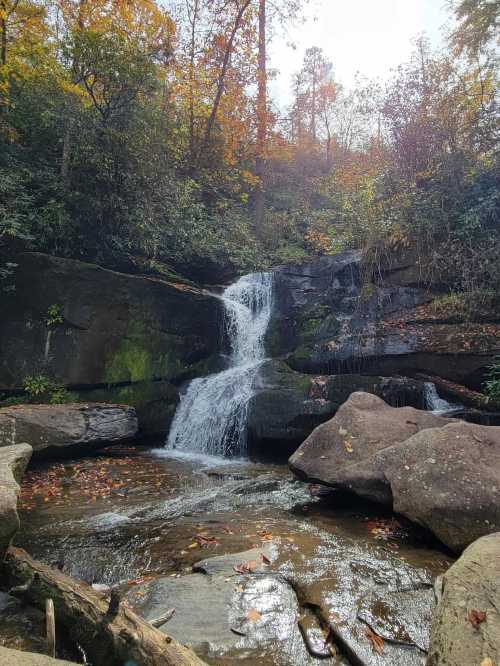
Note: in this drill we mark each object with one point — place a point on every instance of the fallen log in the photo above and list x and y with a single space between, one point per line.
460 393
110 632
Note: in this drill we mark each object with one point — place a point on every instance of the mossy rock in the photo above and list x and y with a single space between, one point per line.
115 327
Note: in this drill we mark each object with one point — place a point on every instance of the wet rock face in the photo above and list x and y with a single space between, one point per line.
440 473
327 321
58 429
13 462
466 624
296 605
90 327
288 405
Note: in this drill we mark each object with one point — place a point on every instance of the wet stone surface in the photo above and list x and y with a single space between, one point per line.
260 569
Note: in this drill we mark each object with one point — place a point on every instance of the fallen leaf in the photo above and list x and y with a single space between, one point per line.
253 615
348 446
265 558
475 617
376 640
246 567
487 662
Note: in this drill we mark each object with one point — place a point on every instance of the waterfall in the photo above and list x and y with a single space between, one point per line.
435 403
211 416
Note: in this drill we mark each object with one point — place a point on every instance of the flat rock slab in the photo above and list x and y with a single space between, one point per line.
13 462
53 428
10 657
225 612
400 616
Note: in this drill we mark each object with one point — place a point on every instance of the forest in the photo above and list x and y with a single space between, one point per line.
141 135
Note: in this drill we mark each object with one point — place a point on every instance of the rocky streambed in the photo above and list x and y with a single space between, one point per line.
259 568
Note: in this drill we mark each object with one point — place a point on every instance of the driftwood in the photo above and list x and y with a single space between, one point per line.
110 633
50 627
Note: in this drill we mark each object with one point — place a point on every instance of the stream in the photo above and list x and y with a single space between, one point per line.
258 567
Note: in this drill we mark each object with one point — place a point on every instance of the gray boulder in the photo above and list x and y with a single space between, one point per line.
56 429
13 462
342 452
466 624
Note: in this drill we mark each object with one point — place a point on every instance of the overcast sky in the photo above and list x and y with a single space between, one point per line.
366 36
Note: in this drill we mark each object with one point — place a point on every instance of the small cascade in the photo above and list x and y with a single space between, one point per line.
211 416
435 403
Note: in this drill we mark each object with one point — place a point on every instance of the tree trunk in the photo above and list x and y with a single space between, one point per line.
109 632
3 32
260 160
222 76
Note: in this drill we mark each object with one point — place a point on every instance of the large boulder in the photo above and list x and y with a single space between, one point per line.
441 473
13 462
93 328
60 429
448 480
329 319
288 405
342 452
466 624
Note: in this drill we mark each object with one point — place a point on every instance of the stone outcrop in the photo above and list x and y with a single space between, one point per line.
442 474
288 405
466 624
328 320
60 429
95 330
13 462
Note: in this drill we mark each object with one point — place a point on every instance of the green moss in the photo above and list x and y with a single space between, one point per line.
145 354
302 353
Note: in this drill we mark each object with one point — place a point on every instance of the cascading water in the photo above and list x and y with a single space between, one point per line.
435 403
211 416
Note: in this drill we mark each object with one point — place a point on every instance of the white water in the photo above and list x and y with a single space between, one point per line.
211 416
435 403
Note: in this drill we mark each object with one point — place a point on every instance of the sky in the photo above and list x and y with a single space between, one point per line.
367 36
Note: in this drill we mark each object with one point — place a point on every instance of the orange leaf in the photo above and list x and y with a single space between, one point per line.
376 640
253 615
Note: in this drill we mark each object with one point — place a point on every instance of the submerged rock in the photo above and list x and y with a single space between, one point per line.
441 473
466 624
56 429
13 462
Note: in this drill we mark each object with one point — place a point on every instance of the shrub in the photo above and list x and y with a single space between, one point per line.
40 388
492 386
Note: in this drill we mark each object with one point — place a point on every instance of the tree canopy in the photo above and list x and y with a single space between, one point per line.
138 132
